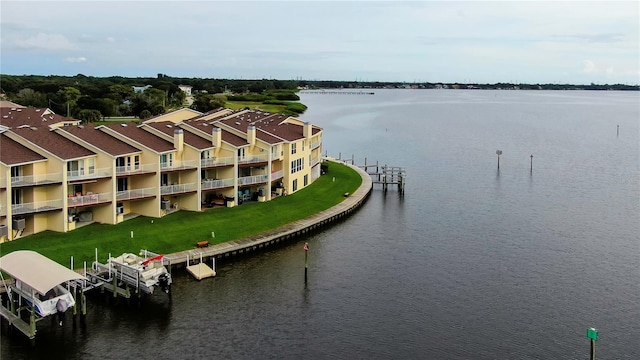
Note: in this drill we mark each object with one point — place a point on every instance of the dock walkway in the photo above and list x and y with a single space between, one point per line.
284 233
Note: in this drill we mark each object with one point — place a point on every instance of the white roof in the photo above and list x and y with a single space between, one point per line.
36 270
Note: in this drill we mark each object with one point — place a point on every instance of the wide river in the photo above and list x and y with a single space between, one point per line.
471 263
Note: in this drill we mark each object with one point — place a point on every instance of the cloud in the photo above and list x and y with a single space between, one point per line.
45 42
76 59
111 39
589 67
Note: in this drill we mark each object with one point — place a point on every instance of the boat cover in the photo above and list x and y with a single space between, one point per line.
39 272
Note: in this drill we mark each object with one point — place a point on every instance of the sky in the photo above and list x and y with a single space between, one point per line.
577 42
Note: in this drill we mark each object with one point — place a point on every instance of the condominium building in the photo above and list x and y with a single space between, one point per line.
56 174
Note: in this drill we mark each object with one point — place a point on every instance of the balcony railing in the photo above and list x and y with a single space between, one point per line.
88 174
216 184
315 162
250 180
40 179
89 199
251 159
178 165
135 169
135 194
277 175
315 145
3 183
36 207
216 161
178 188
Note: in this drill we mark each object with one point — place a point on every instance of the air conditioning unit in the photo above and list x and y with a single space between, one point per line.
119 210
165 204
4 230
18 224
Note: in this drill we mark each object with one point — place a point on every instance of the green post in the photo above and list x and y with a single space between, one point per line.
75 302
592 334
115 286
83 304
32 324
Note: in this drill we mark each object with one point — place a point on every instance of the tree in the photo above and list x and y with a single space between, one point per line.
120 92
177 98
205 102
89 116
29 97
145 114
70 95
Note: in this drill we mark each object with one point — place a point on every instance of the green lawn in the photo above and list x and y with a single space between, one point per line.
234 105
181 230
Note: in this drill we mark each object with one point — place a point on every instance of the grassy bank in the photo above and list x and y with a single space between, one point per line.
181 230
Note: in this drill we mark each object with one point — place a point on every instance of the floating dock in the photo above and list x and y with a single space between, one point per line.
201 271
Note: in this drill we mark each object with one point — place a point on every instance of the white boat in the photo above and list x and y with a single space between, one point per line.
39 281
141 273
44 304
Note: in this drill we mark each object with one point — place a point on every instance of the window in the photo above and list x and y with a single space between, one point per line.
123 184
136 162
274 151
75 168
306 180
303 145
166 160
120 163
16 196
204 154
16 171
241 153
164 180
92 166
293 148
295 184
297 165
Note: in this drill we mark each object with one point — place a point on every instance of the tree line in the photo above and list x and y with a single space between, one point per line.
91 98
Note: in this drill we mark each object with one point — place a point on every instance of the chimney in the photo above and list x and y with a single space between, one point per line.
251 136
178 140
216 139
306 130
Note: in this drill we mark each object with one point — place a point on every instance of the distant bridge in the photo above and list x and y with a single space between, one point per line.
337 92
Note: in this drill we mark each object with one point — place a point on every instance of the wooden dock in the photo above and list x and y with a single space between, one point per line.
277 236
384 175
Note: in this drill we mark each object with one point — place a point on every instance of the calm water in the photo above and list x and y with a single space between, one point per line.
470 263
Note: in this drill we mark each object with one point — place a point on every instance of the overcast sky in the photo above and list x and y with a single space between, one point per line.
430 41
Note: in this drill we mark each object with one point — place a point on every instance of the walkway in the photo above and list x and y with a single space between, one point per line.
284 233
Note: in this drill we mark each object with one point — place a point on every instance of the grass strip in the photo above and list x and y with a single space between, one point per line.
181 230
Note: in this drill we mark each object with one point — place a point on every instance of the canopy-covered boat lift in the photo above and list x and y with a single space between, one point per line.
39 283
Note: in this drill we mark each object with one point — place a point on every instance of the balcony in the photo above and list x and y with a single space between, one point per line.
209 184
75 175
33 180
252 159
36 207
211 162
315 162
178 165
315 145
250 180
89 199
134 194
135 170
3 183
177 189
277 175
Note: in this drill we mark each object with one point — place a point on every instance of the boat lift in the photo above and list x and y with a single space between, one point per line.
39 283
130 274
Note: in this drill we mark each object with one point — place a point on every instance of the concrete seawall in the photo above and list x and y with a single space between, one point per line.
280 235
